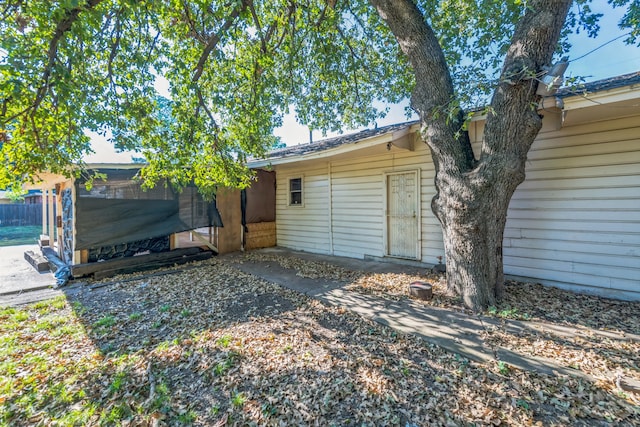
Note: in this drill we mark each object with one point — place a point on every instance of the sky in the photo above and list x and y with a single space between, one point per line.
612 59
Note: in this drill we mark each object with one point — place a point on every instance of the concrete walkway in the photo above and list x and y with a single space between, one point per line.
17 275
458 332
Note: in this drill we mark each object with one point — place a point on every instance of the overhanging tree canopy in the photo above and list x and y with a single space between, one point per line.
235 67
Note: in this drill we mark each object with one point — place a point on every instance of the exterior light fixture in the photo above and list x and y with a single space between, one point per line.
553 78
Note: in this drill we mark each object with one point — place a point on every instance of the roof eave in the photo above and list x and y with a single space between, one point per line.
371 141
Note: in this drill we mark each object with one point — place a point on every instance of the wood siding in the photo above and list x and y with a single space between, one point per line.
573 223
304 227
344 211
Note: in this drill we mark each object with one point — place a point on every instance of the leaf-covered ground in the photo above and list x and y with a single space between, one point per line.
213 346
598 336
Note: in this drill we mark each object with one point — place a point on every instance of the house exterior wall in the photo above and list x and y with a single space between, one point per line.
304 227
573 223
344 204
576 218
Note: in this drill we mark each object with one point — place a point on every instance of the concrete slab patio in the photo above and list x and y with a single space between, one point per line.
20 283
17 275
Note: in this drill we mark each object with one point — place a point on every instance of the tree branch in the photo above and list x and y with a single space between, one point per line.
62 28
354 54
202 102
8 8
256 21
213 41
114 51
192 25
434 91
533 44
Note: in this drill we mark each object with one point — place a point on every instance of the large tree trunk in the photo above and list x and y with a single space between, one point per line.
473 214
473 194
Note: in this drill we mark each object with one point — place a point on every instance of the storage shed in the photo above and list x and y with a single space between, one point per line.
116 219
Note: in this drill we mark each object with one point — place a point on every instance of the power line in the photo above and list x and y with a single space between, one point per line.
601 46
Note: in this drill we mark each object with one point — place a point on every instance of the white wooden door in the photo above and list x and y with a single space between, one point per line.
402 215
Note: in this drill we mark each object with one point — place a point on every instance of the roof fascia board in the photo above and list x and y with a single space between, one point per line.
591 99
341 149
115 165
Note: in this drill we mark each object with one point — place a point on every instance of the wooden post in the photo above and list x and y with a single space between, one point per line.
51 222
44 211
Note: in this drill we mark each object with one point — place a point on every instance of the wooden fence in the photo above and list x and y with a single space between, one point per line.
18 214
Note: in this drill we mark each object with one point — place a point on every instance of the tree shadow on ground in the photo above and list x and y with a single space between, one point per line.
214 346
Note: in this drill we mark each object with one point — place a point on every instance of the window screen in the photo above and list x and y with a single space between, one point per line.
295 191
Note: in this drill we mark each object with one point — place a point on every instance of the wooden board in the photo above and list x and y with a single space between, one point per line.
81 270
102 274
260 235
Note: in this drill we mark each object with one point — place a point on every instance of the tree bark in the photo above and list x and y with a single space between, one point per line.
473 195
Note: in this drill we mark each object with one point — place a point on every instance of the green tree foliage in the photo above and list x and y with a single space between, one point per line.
234 68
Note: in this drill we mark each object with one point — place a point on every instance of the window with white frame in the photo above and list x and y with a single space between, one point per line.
295 191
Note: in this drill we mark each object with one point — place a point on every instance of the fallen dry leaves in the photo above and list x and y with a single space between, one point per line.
211 345
604 356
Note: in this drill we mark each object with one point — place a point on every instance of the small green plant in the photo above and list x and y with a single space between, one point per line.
108 348
164 308
507 313
224 341
162 396
503 368
222 367
286 349
404 368
185 312
40 305
135 316
521 403
156 324
49 323
163 346
105 322
20 316
117 383
116 414
268 410
59 302
238 400
187 417
215 409
78 308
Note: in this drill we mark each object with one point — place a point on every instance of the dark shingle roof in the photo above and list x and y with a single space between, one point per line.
599 85
325 144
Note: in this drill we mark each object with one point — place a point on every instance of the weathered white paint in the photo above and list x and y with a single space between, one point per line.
350 197
573 223
402 213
